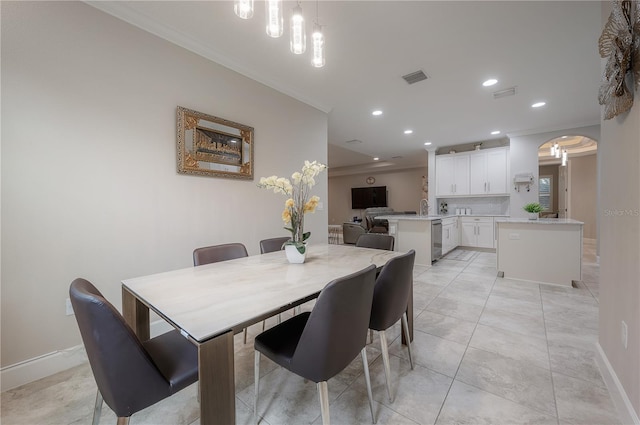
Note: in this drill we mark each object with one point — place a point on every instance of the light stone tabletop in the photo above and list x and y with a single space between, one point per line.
209 300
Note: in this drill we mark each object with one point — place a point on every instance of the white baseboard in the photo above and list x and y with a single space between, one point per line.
40 367
625 409
18 374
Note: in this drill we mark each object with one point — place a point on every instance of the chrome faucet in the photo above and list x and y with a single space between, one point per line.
424 207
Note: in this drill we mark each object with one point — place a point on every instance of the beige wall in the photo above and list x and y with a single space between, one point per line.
89 182
583 192
404 192
620 247
619 211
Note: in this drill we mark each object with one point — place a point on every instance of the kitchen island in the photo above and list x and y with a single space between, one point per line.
412 232
547 250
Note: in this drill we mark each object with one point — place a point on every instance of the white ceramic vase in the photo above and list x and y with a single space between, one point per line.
293 255
533 216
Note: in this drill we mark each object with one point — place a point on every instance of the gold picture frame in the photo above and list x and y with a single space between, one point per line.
212 146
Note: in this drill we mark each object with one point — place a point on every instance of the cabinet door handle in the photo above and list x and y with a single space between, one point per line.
489 186
485 186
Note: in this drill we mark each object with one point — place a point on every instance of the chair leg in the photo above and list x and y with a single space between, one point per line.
256 379
123 420
323 392
264 322
279 318
385 360
97 409
245 335
406 337
370 336
367 378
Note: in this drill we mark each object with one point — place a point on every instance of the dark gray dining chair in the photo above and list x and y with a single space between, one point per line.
217 253
318 345
390 302
376 241
273 244
131 375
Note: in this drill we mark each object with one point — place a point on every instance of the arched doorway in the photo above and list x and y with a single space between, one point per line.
568 180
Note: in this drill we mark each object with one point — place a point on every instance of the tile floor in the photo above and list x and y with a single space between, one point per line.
487 351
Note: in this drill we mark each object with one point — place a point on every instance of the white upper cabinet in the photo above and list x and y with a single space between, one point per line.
452 175
474 173
488 172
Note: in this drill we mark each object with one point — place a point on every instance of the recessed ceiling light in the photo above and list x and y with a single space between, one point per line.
427 143
563 137
538 104
408 131
494 132
376 112
376 159
490 82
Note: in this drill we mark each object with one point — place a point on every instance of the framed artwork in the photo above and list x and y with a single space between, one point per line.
212 146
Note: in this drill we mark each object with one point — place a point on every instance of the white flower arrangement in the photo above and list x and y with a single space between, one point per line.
299 202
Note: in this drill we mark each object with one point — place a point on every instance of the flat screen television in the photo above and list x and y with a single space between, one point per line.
367 197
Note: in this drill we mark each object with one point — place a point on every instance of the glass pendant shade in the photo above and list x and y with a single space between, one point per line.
564 158
318 47
243 8
298 42
275 20
558 151
553 150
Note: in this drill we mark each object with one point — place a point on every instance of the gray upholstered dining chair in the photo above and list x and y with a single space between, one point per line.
131 375
376 241
272 244
217 253
318 345
390 302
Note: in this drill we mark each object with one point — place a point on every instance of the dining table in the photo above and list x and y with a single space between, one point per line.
211 303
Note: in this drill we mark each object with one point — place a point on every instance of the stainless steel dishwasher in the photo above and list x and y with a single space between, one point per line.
436 240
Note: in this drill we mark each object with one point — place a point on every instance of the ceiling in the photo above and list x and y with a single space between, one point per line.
546 50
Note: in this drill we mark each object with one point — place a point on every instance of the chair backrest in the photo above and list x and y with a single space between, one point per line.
376 240
215 253
336 330
391 293
273 244
351 232
126 376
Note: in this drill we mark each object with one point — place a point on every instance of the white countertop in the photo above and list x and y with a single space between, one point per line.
539 221
433 217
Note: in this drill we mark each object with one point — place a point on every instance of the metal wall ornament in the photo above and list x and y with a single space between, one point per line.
620 45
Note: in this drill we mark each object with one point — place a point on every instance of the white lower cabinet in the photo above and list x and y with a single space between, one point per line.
450 234
477 232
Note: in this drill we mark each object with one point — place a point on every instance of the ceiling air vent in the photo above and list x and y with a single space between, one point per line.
415 77
504 93
353 142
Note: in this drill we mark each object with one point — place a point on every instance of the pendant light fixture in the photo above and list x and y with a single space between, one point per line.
243 8
558 151
564 158
317 37
275 20
298 41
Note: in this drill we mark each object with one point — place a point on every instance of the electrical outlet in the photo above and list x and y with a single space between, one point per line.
624 334
68 307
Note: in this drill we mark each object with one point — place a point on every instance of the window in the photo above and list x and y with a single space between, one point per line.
545 194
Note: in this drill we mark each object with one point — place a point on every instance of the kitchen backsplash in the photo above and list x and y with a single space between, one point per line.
498 205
